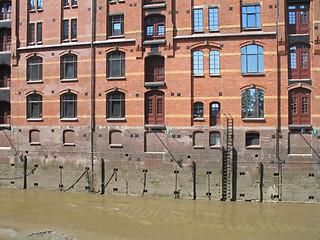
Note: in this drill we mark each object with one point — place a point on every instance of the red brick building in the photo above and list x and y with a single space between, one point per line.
156 81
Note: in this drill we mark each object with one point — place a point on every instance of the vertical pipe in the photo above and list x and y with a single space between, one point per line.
25 165
92 122
194 170
102 176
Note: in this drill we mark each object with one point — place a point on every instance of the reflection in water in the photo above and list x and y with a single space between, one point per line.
86 216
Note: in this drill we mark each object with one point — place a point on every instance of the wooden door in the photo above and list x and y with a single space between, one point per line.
300 107
298 19
154 108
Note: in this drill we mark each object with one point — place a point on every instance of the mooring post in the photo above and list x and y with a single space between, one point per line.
176 192
102 176
25 165
60 185
194 170
209 185
145 181
261 181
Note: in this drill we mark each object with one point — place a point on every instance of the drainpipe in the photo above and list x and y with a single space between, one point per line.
92 119
278 129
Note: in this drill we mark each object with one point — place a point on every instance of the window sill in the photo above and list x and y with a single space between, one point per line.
74 40
300 127
153 6
115 78
116 36
65 40
35 144
154 127
215 75
69 144
154 84
112 2
68 119
69 80
253 147
154 42
198 75
198 31
40 10
293 79
214 30
198 119
116 145
252 29
121 1
253 119
39 43
215 146
31 44
32 10
198 147
34 81
34 119
65 7
252 74
74 6
116 119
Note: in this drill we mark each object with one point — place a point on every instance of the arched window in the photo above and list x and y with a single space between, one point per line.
68 67
34 69
115 64
214 57
252 103
68 106
34 137
214 113
155 27
68 137
299 62
198 63
34 106
154 69
198 110
115 105
252 59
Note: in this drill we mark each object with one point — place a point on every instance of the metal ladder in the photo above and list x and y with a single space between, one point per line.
226 161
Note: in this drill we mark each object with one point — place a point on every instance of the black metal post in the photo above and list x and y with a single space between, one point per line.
176 192
261 181
194 170
60 185
102 176
25 165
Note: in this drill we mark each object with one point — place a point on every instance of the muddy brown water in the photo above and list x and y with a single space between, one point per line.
118 217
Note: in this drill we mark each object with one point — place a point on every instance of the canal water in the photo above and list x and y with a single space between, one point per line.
32 214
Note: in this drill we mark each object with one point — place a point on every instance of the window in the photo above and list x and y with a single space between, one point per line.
299 62
214 113
73 34
68 106
39 32
251 59
115 64
68 68
66 3
31 33
68 138
6 11
5 76
155 27
154 69
198 110
198 20
40 4
252 103
214 57
198 63
116 25
74 2
198 140
36 4
213 19
154 107
252 139
214 138
300 106
32 5
298 19
5 39
5 113
34 106
34 137
251 17
153 1
34 69
115 105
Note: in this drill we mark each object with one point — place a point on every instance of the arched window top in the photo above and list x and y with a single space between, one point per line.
115 54
252 49
34 59
115 95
